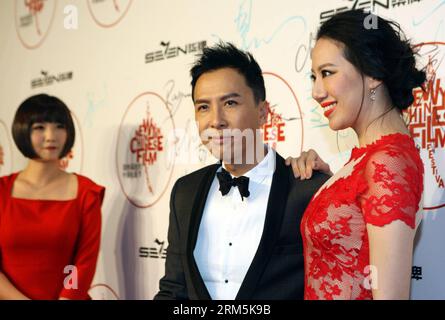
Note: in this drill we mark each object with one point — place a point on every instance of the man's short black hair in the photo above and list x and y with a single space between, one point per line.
41 108
226 55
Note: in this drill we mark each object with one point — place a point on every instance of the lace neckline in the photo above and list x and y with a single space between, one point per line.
399 138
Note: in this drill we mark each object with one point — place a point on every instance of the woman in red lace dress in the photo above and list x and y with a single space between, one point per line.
359 228
50 220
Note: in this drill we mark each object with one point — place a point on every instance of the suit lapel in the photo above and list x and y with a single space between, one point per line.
274 216
195 220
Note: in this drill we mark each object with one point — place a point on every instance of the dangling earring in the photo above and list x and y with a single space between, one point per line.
372 95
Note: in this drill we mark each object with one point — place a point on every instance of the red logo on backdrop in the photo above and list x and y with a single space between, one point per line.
108 13
144 163
273 130
33 20
284 126
5 150
146 144
426 123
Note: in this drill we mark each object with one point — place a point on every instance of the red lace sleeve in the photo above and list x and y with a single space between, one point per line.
394 186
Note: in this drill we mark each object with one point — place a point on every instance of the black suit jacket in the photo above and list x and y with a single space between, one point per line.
277 269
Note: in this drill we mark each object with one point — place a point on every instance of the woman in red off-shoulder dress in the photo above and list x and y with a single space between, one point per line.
50 220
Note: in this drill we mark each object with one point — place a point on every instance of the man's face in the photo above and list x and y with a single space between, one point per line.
227 116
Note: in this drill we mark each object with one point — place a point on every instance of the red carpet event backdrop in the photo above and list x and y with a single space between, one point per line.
122 67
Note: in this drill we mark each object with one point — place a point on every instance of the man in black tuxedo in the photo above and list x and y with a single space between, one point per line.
234 230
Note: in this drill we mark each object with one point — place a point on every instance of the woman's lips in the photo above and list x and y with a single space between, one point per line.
327 113
329 107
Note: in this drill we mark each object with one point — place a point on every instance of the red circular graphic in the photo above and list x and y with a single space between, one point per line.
112 4
34 8
166 182
294 96
434 45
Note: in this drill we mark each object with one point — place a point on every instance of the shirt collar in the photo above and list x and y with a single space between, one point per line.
264 168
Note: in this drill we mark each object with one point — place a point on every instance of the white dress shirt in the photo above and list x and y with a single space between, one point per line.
231 230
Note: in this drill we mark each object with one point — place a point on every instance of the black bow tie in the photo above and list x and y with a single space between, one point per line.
226 182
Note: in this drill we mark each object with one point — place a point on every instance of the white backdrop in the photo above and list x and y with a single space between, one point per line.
122 66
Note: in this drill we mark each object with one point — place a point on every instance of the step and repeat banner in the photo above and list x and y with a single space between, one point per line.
122 67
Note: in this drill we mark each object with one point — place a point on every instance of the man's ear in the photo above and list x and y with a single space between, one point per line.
263 111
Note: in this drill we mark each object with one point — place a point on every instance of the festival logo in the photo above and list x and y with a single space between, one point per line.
108 13
73 161
143 159
5 150
33 20
284 129
102 291
426 119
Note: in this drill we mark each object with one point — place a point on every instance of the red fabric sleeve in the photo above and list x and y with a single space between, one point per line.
394 186
88 243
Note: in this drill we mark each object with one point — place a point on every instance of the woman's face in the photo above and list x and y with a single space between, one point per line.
337 84
48 140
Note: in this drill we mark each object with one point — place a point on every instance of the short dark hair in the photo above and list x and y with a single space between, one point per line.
41 108
226 55
382 53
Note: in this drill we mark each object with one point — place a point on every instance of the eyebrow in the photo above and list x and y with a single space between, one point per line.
324 65
224 97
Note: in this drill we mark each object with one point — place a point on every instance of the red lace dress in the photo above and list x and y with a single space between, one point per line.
381 182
